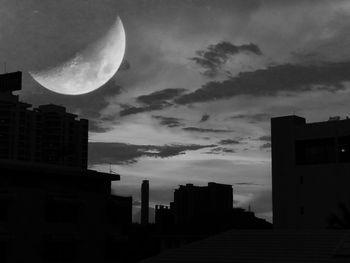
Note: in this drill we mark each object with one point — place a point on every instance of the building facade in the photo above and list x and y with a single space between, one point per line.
57 214
201 203
310 171
47 134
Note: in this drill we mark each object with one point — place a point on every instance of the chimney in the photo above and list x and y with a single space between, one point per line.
144 202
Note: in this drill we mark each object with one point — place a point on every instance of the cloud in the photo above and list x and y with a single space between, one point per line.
129 110
266 146
219 150
258 117
247 184
229 141
123 153
205 117
160 96
265 138
272 80
196 129
125 65
154 101
171 122
98 126
215 56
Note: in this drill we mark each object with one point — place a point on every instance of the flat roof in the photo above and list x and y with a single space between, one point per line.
22 166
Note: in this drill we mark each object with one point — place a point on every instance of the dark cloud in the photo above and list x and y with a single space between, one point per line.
169 121
229 141
266 138
160 96
205 117
217 55
123 153
220 150
125 65
270 81
98 127
155 101
266 146
196 129
252 117
134 110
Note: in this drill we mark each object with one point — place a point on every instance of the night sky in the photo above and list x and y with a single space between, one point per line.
199 83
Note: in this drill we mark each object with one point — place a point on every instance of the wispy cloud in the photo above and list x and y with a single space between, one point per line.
216 55
196 129
169 121
271 81
123 153
229 141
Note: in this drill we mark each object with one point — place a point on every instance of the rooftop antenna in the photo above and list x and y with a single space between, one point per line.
249 208
110 169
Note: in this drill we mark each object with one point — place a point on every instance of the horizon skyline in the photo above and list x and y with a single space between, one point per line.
193 98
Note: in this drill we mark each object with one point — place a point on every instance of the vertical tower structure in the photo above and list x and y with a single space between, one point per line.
144 202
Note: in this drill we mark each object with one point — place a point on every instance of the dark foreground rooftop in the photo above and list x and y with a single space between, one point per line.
22 167
257 246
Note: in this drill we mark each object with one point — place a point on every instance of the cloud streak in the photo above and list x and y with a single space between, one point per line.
196 129
217 55
123 153
271 81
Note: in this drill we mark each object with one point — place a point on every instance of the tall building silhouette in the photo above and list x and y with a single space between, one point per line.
144 202
198 203
53 209
47 134
310 171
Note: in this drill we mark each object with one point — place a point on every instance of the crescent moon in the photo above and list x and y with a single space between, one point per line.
87 70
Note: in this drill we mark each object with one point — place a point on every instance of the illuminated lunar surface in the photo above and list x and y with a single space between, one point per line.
89 69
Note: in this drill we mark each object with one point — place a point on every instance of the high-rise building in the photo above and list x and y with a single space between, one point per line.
144 202
310 172
47 134
53 209
201 203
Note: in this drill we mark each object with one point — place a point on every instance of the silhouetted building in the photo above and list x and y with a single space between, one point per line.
310 171
194 204
47 134
144 202
58 214
200 211
164 216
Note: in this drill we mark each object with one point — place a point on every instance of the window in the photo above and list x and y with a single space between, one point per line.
344 149
315 151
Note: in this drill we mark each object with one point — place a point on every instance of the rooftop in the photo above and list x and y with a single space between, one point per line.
260 246
26 167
